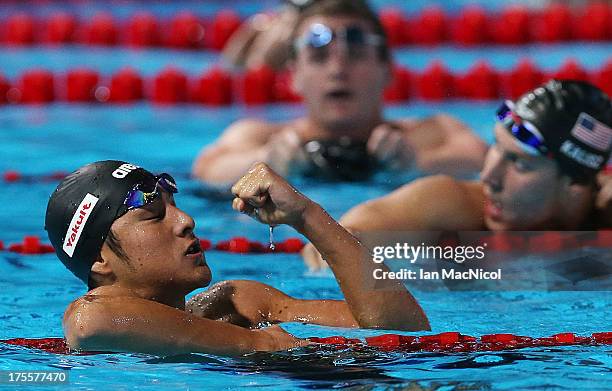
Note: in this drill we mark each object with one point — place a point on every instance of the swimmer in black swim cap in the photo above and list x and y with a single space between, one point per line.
117 227
566 120
551 144
540 174
340 65
87 202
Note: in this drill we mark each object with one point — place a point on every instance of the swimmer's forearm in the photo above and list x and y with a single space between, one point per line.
334 313
227 340
386 305
231 343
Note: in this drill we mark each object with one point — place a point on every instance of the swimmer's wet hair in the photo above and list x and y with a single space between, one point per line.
354 8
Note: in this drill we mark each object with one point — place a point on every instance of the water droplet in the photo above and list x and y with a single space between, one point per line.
272 246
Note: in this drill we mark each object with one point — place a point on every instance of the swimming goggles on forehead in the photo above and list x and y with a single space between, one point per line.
299 4
146 192
319 36
531 140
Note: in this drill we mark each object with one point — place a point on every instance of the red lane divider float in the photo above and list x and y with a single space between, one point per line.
51 345
32 245
545 242
450 342
184 30
13 176
243 245
218 87
514 25
534 242
473 25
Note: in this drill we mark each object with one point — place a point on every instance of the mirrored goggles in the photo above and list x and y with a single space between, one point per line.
318 38
528 135
146 192
299 4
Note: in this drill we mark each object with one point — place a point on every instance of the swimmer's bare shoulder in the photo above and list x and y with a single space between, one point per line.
443 144
433 203
106 320
90 319
242 134
83 314
438 123
242 141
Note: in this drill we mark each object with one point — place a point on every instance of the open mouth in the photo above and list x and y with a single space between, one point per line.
493 209
195 253
194 249
339 94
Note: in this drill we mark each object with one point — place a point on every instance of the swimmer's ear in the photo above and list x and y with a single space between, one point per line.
388 74
576 186
577 194
101 269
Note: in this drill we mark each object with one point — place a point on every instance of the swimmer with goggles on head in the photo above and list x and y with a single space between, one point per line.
529 137
138 254
340 64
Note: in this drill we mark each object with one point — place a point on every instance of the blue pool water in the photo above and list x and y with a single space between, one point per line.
59 137
37 288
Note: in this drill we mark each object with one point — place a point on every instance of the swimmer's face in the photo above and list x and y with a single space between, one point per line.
158 240
341 88
523 192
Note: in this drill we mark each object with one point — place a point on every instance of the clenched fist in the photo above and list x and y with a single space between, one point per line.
267 197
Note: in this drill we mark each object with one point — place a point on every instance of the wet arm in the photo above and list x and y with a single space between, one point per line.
137 325
389 304
264 195
251 303
227 159
434 203
444 145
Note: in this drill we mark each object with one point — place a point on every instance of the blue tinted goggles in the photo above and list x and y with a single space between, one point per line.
299 4
531 140
319 37
148 191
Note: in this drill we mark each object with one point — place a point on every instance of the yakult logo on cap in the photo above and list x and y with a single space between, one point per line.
78 223
123 170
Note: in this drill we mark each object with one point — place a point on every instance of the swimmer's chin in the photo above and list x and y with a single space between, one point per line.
206 278
205 281
496 224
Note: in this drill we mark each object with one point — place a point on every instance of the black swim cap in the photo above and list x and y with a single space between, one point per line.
82 209
575 119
